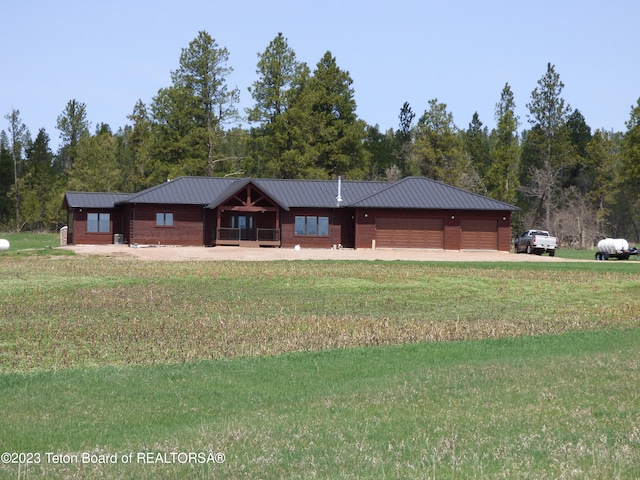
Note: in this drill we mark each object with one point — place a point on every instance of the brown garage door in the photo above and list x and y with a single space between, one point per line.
478 234
404 232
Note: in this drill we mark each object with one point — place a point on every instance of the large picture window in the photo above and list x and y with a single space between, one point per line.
164 219
311 225
98 222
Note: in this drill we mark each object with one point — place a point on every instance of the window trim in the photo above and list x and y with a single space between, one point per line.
164 220
316 226
99 222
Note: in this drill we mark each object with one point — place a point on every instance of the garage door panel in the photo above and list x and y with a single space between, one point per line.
409 232
479 234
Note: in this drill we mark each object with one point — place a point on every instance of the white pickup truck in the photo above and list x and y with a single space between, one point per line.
536 241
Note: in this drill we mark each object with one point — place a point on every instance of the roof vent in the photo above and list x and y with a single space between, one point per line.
339 197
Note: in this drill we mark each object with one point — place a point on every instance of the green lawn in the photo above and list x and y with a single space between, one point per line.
319 369
32 244
533 407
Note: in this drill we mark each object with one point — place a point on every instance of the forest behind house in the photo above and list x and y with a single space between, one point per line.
579 183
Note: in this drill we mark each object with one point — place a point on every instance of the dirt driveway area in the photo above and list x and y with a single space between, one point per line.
174 253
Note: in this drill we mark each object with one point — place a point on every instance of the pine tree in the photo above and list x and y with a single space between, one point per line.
73 124
19 139
203 72
438 149
337 133
549 140
502 176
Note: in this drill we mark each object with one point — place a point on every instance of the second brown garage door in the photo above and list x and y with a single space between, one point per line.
403 232
478 234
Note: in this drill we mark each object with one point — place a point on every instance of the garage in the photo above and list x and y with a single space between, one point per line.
409 232
478 234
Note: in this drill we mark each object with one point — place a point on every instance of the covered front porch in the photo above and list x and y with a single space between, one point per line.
248 229
247 218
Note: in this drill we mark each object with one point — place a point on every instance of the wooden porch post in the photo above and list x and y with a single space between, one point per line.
218 222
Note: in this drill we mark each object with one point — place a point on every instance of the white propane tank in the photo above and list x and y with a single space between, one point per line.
4 244
613 246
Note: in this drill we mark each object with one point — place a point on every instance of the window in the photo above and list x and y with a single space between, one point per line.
98 222
312 226
164 219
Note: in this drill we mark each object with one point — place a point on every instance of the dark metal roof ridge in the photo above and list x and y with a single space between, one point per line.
484 197
131 199
466 192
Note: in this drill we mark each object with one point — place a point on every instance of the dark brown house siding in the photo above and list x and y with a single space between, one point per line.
341 230
77 221
187 228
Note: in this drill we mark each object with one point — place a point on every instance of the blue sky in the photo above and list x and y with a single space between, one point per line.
109 55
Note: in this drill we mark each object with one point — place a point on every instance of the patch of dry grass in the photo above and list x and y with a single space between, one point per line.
63 312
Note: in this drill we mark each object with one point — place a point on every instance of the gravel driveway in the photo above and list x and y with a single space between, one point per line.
174 253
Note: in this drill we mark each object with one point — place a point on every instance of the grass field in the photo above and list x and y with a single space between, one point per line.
28 243
319 369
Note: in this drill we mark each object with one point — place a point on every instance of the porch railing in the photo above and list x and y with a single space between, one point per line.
268 235
234 235
228 234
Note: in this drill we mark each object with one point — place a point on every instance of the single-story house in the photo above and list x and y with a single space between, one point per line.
414 212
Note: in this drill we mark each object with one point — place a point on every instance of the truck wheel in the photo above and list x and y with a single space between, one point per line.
552 253
598 256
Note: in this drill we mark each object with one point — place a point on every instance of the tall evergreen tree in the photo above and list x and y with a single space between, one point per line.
277 71
476 145
548 138
176 146
138 141
381 147
42 185
579 136
278 131
338 133
97 168
502 176
72 124
203 72
19 138
404 137
438 149
602 163
6 181
630 173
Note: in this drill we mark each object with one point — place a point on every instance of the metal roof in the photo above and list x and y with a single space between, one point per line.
93 200
316 193
425 193
407 193
183 191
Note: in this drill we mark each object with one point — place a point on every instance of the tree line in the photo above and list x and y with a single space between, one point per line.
578 183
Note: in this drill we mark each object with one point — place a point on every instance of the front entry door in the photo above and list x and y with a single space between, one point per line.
245 225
